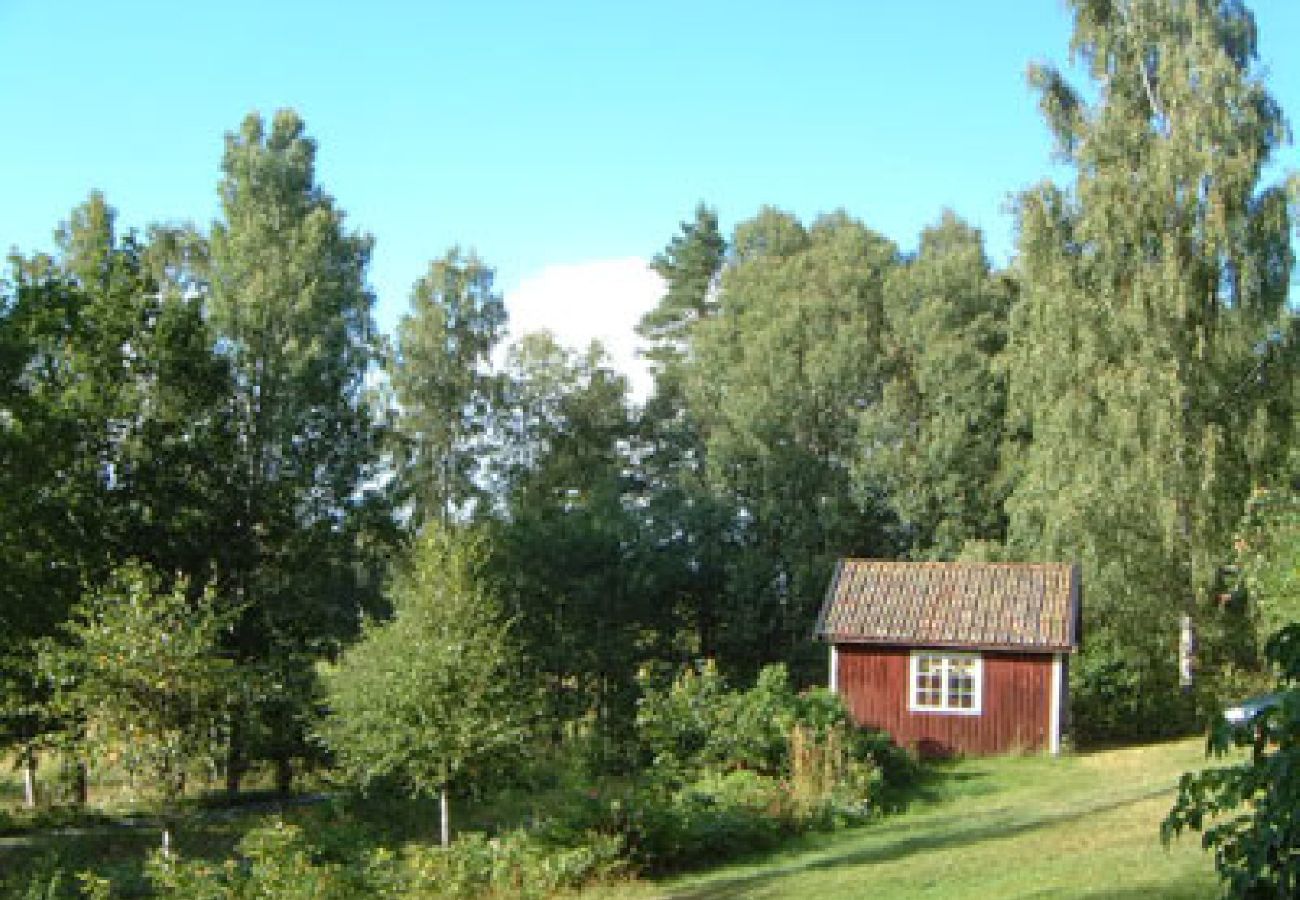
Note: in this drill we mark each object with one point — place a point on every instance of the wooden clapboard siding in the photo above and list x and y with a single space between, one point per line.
1016 702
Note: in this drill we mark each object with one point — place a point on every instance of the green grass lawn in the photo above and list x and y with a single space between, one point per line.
1076 826
1079 826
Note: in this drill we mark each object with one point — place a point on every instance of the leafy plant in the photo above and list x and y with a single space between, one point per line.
141 679
1249 813
429 698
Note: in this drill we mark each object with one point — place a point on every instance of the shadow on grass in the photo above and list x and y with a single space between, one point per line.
117 846
1006 824
119 855
1186 887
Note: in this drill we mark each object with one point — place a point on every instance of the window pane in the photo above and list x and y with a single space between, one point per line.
943 682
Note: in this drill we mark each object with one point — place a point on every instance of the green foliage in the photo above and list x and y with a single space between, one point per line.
289 302
690 266
776 379
1149 350
665 826
1249 812
685 528
140 677
517 863
696 724
444 395
276 860
114 438
933 445
45 879
568 561
1267 547
430 698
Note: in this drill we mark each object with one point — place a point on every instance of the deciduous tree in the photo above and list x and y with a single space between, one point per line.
292 310
933 444
444 386
1153 314
432 696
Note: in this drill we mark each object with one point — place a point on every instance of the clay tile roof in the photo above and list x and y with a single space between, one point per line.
1029 607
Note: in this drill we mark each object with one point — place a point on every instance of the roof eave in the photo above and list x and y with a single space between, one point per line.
913 643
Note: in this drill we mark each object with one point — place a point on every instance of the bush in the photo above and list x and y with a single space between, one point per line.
1118 696
45 879
279 861
275 860
1249 813
718 818
518 863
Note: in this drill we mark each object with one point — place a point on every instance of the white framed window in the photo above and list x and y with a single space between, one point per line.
944 682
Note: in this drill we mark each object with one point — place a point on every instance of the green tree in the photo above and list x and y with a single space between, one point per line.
140 673
685 527
444 389
1267 547
778 378
933 444
289 302
432 697
566 556
690 266
117 443
1249 811
1145 348
46 498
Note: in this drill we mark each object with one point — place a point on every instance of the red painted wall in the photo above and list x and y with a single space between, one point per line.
1016 702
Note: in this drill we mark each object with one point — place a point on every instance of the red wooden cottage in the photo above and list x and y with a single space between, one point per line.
954 657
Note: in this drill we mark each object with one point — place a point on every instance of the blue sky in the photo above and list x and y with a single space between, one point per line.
550 136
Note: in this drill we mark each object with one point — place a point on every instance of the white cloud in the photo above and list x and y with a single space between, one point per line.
598 300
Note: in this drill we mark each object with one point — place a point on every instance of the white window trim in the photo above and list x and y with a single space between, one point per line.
977 707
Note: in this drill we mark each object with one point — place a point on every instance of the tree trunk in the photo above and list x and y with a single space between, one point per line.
81 785
444 809
236 765
29 778
283 775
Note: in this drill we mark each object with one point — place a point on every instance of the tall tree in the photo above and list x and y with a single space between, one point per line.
444 388
933 445
685 527
779 376
290 303
690 266
1144 350
120 435
566 556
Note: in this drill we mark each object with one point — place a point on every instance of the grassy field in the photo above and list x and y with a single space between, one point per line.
1078 826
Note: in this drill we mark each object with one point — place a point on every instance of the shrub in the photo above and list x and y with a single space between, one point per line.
679 725
276 860
695 725
1249 813
515 864
45 879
